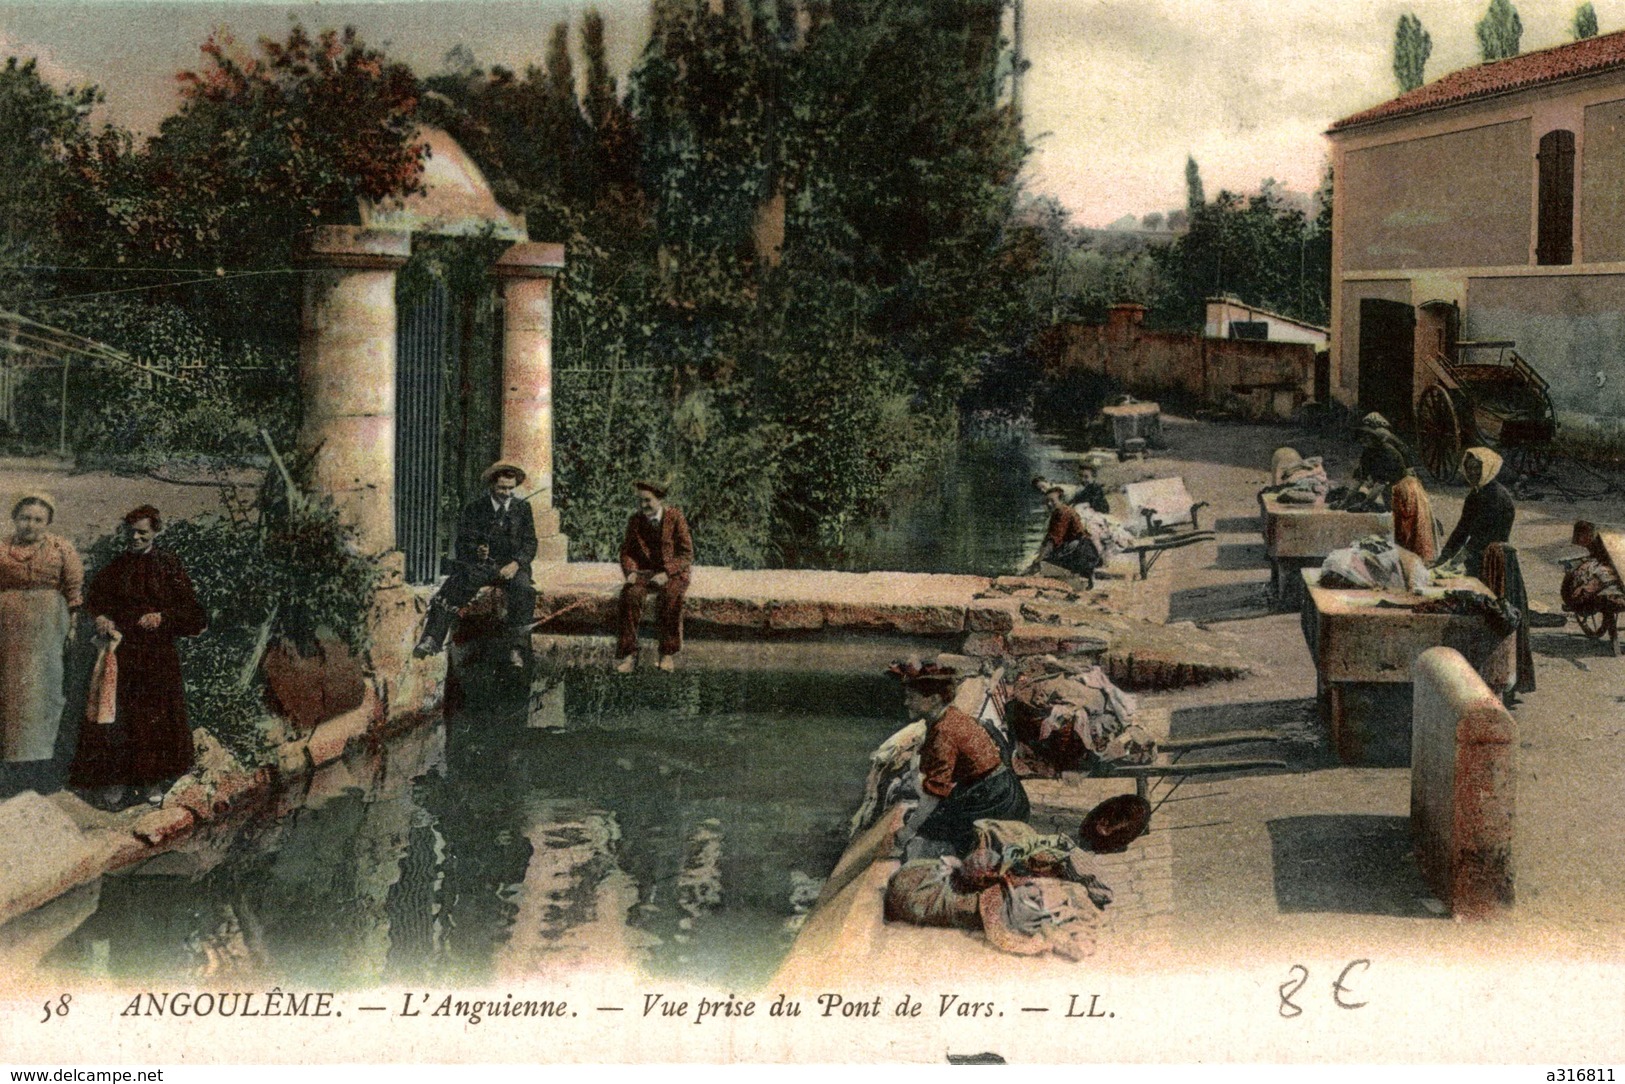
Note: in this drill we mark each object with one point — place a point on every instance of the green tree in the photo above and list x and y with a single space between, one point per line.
1412 46
38 123
1499 31
1585 22
1194 196
1257 248
263 146
266 144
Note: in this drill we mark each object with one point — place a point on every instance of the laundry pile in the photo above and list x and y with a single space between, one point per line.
1027 892
1298 480
1065 715
1375 562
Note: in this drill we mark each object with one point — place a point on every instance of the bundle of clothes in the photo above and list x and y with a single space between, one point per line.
1592 584
1376 562
1068 716
1029 893
1297 480
1356 499
1502 617
1109 535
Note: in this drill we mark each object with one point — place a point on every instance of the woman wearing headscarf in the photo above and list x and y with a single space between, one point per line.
41 583
1486 514
145 596
964 773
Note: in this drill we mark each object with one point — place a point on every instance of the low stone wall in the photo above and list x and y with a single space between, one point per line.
1462 809
583 597
991 618
50 845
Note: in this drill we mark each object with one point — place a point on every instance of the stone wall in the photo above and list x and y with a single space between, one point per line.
1233 374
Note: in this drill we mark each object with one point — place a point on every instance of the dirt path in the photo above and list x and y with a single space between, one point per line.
92 503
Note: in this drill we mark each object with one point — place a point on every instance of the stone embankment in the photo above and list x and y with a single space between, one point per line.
51 845
972 615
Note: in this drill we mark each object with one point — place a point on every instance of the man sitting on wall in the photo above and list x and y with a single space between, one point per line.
496 542
658 553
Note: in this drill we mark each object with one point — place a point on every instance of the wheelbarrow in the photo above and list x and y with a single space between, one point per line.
1164 518
1163 766
1115 823
1596 612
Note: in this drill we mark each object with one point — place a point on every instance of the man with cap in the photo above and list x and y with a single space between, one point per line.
496 542
964 772
657 552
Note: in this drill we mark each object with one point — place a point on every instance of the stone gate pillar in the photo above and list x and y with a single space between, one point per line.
527 271
347 373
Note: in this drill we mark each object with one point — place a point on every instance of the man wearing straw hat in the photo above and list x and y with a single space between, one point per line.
496 542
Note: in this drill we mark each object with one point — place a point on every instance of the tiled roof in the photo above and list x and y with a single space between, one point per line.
1500 77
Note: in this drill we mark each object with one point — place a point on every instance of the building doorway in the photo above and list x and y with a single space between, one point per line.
1387 359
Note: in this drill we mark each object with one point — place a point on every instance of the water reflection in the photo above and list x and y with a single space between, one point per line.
675 822
977 513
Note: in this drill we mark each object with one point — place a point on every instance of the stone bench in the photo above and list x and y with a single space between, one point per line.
1462 742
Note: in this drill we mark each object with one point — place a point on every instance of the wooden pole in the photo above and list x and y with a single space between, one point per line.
62 427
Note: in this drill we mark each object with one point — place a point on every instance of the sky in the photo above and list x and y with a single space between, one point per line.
1118 94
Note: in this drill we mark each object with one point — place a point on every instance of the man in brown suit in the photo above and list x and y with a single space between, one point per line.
657 552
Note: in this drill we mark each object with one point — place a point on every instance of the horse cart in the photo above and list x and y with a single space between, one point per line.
1485 396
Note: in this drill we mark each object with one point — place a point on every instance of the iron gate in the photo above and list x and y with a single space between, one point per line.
425 339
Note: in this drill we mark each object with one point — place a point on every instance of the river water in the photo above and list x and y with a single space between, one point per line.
977 514
717 801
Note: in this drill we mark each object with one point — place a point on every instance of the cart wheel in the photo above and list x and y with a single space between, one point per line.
1594 625
1438 434
1529 460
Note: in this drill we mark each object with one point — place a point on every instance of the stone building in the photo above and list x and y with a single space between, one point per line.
1229 317
1489 205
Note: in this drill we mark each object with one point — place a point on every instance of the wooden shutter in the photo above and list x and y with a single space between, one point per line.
1555 241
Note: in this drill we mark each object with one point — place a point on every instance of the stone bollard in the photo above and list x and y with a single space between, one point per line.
1462 741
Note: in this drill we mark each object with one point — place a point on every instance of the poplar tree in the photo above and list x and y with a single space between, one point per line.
1499 31
1412 46
1585 22
1194 199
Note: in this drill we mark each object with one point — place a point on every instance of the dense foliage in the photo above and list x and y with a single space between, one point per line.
796 248
37 125
786 265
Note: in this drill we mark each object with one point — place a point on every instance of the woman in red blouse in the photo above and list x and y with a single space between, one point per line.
964 774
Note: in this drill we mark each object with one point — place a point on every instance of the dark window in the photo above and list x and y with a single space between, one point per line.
1555 243
1249 329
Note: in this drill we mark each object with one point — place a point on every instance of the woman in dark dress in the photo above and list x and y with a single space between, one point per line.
1486 514
144 596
